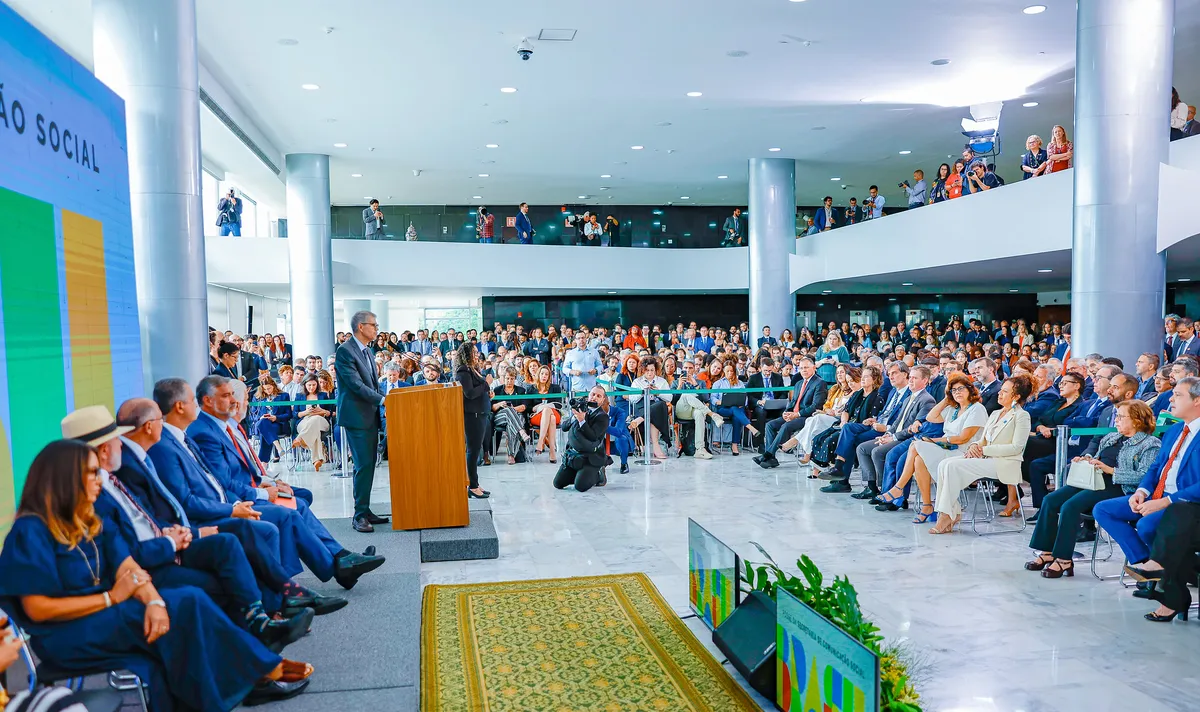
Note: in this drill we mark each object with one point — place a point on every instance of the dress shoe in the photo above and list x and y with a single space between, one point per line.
624 468
320 605
271 691
831 474
603 479
758 459
374 518
1156 618
1032 519
471 494
350 567
890 507
278 634
865 493
361 524
837 486
369 551
1144 593
1141 574
767 461
1085 534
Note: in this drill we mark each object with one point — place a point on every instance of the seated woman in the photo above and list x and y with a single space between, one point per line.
630 365
313 420
281 353
786 340
659 422
1045 432
546 414
963 417
737 413
997 455
831 353
849 380
75 588
509 415
1124 458
1164 383
270 421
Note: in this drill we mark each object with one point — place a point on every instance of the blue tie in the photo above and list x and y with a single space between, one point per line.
162 490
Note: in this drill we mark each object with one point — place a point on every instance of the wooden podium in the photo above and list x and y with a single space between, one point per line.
427 457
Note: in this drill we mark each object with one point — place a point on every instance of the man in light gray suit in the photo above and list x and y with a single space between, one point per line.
873 453
373 220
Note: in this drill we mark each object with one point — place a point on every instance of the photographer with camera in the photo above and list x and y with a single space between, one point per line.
229 215
916 192
586 455
873 205
580 223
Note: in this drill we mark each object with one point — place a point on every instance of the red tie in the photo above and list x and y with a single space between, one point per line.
262 470
803 387
1162 479
242 455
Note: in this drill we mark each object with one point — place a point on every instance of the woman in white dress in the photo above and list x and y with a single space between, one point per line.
998 455
963 416
849 380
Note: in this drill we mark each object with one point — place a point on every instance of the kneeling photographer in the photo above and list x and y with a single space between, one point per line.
585 455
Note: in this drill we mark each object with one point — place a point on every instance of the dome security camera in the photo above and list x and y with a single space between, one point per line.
524 49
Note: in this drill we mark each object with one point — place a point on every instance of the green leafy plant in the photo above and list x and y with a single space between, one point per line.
838 603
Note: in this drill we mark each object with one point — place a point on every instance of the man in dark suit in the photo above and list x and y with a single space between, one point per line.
767 377
854 434
937 384
537 347
872 454
358 402
1170 322
373 221
237 364
808 396
825 219
983 370
766 339
1186 343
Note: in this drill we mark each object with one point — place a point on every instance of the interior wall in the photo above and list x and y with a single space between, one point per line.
228 310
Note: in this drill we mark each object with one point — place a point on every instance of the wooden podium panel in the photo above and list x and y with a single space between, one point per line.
427 457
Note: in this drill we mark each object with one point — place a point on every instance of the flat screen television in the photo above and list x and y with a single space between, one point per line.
818 666
712 576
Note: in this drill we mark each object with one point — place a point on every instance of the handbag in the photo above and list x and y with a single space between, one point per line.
1085 476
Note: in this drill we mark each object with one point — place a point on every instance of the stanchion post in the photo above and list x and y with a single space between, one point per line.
344 449
1061 443
647 460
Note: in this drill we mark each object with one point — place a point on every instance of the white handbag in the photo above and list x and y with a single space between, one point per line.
1085 476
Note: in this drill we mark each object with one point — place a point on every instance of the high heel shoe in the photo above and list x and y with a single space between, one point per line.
1067 569
923 516
1152 616
1039 563
1008 511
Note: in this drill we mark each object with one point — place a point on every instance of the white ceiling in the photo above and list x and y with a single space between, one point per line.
419 83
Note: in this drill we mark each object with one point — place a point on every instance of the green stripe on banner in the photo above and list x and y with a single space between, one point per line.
33 337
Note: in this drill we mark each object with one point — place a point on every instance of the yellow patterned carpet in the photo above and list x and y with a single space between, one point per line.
607 643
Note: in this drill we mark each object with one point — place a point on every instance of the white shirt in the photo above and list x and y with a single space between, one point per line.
142 525
1172 474
1179 115
879 203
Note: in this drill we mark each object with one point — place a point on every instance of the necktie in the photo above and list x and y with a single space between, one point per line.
166 493
212 479
262 470
241 455
1162 478
800 397
133 500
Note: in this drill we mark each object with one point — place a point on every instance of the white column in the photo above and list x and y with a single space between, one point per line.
772 237
310 253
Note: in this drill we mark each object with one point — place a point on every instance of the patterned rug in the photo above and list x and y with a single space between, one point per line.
565 645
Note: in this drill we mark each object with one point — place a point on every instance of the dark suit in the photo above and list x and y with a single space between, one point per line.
1191 347
872 456
807 398
990 394
754 400
358 402
937 388
767 341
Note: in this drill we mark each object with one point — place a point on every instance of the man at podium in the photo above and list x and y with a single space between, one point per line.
358 401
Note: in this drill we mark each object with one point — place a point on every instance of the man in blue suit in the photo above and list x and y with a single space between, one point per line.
855 434
824 217
766 339
234 468
1174 477
1186 343
525 229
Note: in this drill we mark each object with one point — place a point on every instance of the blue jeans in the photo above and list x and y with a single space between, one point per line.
740 421
485 240
231 229
1133 532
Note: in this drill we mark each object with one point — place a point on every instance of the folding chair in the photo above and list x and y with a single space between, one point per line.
46 675
984 489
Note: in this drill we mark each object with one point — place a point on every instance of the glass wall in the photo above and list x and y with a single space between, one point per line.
256 221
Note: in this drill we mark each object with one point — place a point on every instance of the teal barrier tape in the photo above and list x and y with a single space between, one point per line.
1159 430
260 404
526 396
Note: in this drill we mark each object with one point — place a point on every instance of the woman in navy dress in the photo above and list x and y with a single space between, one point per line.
270 421
74 587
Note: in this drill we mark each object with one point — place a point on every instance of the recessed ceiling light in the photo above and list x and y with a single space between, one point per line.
905 153
695 93
818 128
906 284
310 87
339 145
1014 290
736 53
605 175
1029 104
940 62
722 177
493 145
1044 271
685 197
508 90
827 291
582 197
288 42
637 148
1185 279
1034 10
476 197
612 292
774 149
797 0
356 175
366 197
891 299
835 179
483 175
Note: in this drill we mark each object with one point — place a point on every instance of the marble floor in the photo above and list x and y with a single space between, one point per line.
986 635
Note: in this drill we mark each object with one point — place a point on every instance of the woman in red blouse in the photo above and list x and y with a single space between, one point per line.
1060 151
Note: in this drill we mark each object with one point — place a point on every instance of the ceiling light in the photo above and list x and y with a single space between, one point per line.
722 177
356 175
818 128
1034 10
1044 271
288 42
685 197
508 90
905 153
612 292
310 87
1014 290
891 299
339 145
695 93
582 197
835 179
483 175
1029 104
906 284
797 0
827 291
493 145
736 53
637 148
774 149
940 62
366 197
1185 279
476 197
605 175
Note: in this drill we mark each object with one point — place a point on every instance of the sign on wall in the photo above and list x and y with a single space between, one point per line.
68 303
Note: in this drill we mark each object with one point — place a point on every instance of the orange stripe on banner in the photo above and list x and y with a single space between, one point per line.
87 310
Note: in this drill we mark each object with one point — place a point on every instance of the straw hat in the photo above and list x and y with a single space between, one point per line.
94 425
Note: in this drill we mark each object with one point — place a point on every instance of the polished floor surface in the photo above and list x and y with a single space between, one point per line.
984 633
